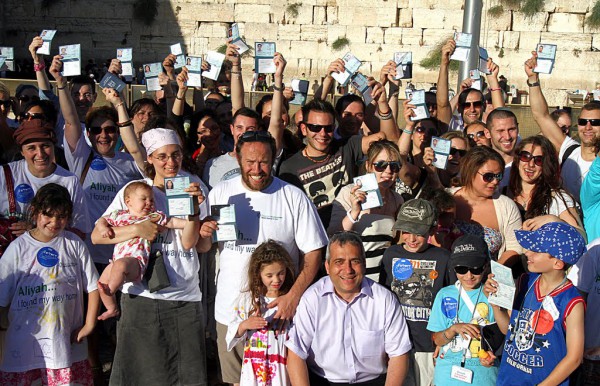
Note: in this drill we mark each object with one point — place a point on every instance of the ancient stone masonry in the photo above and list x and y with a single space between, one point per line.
305 31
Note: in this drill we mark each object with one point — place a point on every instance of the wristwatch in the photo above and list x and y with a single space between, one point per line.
534 84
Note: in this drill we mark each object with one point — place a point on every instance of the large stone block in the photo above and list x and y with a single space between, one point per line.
568 6
498 23
254 32
431 36
405 19
428 18
412 37
375 35
211 30
332 15
335 31
305 14
568 42
377 13
537 22
565 22
529 40
277 14
356 34
313 32
205 12
252 13
491 40
455 5
288 31
393 35
319 15
198 46
510 39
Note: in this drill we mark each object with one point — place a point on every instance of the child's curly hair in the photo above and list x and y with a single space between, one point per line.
267 253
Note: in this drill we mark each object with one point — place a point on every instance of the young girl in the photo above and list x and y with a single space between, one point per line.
270 274
43 275
458 313
130 257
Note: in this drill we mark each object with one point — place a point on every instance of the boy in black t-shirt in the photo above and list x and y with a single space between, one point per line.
415 271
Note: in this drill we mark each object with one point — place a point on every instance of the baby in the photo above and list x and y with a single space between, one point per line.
130 258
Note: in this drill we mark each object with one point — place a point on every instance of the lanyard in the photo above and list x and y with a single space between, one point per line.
467 300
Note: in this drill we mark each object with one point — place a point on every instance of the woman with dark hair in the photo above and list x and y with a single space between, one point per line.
481 210
350 111
140 112
535 186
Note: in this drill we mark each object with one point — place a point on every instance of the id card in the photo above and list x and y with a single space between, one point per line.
7 58
225 217
47 35
463 46
194 66
441 151
548 304
351 65
421 111
180 57
461 374
151 71
236 40
125 55
215 61
476 76
264 53
179 202
403 62
71 58
546 57
361 84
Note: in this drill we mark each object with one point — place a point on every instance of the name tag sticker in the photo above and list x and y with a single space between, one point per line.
461 374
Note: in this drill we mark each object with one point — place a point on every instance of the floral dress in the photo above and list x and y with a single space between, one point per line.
265 354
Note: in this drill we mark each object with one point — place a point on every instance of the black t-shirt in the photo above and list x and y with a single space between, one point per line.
416 278
322 180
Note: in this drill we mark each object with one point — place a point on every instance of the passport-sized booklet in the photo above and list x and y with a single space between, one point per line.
151 71
264 52
476 76
368 184
125 55
361 84
7 59
441 151
71 59
404 65
224 215
300 89
179 202
483 58
421 111
546 57
505 295
180 57
47 35
215 61
110 80
351 65
236 40
463 46
194 66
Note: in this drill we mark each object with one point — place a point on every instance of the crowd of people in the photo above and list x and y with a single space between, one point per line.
350 254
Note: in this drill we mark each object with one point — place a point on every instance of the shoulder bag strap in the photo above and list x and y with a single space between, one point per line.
86 167
10 188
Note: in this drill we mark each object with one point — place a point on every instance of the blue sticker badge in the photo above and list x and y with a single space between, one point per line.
98 163
402 269
449 307
24 193
47 257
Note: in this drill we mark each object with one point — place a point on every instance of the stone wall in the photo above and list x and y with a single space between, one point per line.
305 36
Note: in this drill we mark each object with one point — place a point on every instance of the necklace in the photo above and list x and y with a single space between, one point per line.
314 160
521 200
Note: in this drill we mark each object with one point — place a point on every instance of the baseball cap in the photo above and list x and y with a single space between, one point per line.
416 216
558 239
469 251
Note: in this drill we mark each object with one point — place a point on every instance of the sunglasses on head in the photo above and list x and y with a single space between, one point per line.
381 166
489 177
526 156
479 134
95 130
29 116
256 136
454 151
474 104
461 270
584 122
317 128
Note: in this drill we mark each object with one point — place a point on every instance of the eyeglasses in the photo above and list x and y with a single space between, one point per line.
454 151
176 157
423 129
565 129
85 95
584 122
479 134
381 166
95 130
462 270
27 98
526 156
317 128
475 104
29 116
489 177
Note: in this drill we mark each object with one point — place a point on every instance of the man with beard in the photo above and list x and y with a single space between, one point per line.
265 208
575 160
502 129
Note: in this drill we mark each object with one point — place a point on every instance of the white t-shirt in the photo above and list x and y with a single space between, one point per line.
43 284
559 205
182 264
280 212
574 169
221 168
26 185
103 180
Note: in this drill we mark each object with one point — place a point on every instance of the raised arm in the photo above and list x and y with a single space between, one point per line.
275 124
179 103
388 129
39 65
388 74
493 85
539 106
67 106
444 112
336 66
237 83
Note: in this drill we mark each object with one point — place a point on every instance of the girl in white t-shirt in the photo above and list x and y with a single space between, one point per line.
270 275
43 275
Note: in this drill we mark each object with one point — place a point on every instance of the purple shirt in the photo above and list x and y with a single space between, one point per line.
348 342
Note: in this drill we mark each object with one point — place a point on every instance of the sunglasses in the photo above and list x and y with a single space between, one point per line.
473 104
489 177
479 134
423 129
565 129
461 270
27 98
381 166
526 156
317 128
95 130
584 122
454 151
29 116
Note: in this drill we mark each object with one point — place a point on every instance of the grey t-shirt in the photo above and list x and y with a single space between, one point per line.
221 168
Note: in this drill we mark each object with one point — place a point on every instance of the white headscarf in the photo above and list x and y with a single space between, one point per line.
159 137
